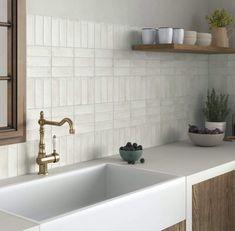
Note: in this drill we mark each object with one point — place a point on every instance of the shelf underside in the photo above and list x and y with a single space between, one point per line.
176 48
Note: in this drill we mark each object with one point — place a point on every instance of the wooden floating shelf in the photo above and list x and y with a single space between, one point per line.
177 48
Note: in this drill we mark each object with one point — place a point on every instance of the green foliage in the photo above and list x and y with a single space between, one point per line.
216 108
220 18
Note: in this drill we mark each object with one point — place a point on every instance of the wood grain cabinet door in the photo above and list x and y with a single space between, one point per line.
178 227
214 204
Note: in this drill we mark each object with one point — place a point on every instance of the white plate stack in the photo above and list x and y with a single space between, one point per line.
204 39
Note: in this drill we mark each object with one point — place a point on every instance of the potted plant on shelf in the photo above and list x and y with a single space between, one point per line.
218 22
216 110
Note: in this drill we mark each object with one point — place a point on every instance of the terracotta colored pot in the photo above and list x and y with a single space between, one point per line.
220 36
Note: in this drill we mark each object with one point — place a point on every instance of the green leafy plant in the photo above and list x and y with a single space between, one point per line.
220 18
216 108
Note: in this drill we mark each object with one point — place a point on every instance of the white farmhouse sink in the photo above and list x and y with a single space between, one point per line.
101 197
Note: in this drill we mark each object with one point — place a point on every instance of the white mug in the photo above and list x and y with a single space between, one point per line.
165 35
157 37
148 35
178 35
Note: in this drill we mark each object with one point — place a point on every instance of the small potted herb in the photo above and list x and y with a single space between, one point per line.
216 110
218 22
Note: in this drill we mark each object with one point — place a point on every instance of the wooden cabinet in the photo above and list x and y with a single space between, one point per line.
178 227
214 204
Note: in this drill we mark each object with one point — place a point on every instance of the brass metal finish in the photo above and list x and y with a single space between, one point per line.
43 159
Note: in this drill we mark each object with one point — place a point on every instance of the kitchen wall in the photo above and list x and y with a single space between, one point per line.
154 13
85 69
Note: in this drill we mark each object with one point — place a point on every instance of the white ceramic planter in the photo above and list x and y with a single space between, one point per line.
214 125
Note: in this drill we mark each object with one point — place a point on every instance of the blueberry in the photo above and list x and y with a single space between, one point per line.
121 148
128 144
132 148
142 160
135 145
193 129
140 147
127 148
129 162
132 162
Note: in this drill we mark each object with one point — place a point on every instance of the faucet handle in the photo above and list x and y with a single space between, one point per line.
54 142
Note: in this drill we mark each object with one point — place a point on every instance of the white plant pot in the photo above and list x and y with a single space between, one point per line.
214 125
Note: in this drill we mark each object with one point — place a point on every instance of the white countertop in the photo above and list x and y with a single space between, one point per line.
180 159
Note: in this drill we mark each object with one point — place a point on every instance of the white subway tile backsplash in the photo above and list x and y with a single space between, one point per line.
39 71
77 34
62 71
84 34
30 30
84 72
39 61
84 62
87 71
91 35
103 71
62 62
84 53
39 93
104 143
3 160
38 51
55 32
70 33
62 52
102 62
47 34
30 93
39 30
103 89
103 53
110 38
97 35
104 36
63 32
12 160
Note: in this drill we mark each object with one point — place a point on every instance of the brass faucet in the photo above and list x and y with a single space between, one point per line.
43 159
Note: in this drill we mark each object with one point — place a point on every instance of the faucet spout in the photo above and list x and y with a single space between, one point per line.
42 121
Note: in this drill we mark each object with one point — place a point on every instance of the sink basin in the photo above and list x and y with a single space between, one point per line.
96 198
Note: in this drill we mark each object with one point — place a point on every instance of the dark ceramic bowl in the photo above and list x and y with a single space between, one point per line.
130 155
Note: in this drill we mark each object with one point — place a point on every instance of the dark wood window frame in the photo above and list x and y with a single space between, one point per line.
15 132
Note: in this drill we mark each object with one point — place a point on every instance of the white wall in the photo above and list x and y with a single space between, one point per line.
181 13
87 71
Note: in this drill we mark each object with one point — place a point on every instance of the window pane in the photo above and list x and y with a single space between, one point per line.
3 103
3 51
3 10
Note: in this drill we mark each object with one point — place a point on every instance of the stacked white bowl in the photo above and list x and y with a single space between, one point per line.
190 37
204 39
